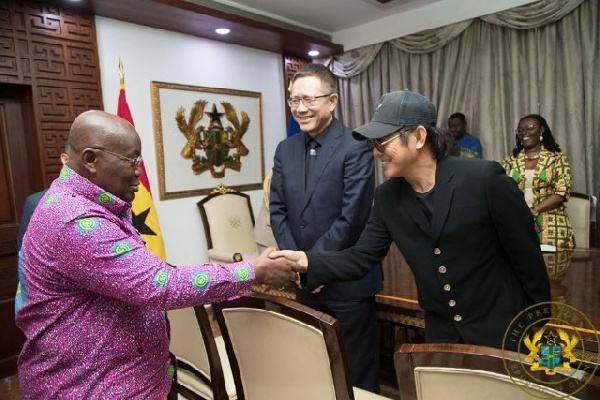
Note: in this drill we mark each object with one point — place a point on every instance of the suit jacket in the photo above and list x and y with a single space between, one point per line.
332 212
29 206
476 265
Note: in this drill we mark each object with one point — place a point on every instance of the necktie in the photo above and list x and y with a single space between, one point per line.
311 158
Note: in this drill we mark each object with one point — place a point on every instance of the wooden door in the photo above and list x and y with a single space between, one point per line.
20 175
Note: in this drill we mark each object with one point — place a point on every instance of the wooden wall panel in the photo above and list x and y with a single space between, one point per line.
54 52
291 65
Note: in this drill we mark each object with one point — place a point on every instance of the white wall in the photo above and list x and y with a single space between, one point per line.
158 55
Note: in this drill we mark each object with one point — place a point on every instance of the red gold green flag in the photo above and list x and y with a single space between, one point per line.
145 219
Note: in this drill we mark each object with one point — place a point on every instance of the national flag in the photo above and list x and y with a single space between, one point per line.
293 127
145 219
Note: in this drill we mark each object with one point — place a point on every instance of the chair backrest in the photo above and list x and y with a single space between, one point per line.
198 361
280 349
228 223
466 372
579 210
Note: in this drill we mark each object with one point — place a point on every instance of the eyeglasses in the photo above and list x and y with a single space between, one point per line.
308 101
135 162
381 145
528 129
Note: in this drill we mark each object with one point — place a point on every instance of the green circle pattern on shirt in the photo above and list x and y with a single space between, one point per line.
161 278
242 273
65 173
201 281
105 198
120 248
86 225
171 371
50 199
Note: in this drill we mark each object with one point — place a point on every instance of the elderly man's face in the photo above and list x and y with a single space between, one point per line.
117 167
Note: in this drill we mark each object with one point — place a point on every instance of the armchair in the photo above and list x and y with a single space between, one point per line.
228 225
280 349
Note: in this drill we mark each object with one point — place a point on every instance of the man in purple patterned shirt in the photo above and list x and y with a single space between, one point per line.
93 297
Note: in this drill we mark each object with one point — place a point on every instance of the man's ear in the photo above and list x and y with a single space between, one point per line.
89 160
333 99
421 136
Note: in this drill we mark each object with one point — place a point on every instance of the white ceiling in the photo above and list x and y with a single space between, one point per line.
356 23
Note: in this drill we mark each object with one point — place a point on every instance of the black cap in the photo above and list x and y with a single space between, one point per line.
395 111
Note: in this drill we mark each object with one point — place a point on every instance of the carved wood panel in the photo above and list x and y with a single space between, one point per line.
54 52
291 65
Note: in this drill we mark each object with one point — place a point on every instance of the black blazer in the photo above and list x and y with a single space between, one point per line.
332 212
476 265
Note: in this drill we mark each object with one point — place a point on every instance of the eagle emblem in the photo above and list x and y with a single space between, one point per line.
214 147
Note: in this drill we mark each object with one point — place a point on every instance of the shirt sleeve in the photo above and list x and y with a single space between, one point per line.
562 176
101 255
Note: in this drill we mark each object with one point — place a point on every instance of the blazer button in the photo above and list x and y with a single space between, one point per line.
303 225
442 269
457 318
437 251
140 350
447 287
452 303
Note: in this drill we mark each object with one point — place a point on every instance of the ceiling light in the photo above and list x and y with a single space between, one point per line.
222 31
313 53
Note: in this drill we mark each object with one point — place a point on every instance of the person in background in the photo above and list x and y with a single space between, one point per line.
461 224
543 174
94 313
321 192
31 202
468 145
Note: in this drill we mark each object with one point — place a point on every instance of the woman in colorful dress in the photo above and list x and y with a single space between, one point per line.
543 174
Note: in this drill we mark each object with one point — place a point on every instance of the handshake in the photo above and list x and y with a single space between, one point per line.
277 268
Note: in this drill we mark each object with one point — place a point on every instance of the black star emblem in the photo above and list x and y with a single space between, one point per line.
139 223
215 117
550 339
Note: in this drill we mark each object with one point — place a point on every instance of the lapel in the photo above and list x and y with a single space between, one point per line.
326 153
442 198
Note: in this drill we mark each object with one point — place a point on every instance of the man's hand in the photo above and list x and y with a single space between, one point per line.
298 258
273 271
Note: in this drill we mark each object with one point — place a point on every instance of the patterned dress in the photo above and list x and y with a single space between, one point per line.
552 175
92 299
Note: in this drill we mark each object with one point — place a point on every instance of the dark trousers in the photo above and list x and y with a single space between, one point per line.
360 329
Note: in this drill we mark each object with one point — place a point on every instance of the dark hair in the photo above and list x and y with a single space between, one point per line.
547 137
318 71
440 141
460 116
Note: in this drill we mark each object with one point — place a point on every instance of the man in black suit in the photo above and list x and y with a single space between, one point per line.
463 227
321 193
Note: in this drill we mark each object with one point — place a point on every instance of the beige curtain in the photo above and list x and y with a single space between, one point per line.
541 58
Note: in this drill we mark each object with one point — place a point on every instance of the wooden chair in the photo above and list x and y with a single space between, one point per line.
280 349
228 224
582 214
466 372
203 370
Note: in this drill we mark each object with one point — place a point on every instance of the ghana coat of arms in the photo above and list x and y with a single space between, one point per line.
213 147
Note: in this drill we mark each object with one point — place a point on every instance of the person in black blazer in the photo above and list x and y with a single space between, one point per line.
325 207
462 225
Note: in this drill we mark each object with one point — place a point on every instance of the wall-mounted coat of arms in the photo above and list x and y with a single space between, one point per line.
213 147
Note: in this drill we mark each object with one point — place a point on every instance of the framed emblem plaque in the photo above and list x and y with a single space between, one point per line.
205 137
